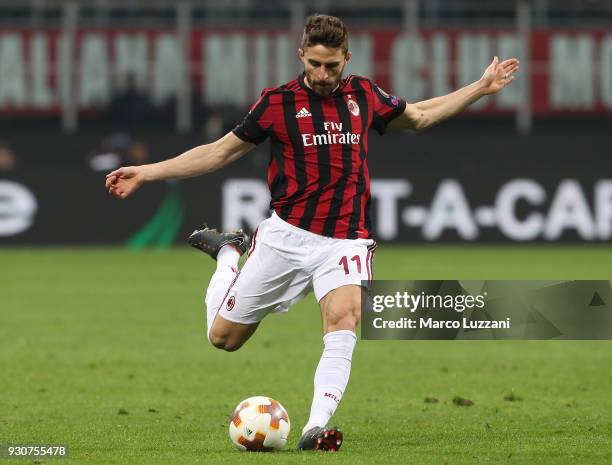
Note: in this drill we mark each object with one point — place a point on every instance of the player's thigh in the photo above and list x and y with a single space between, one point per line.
342 263
267 283
339 280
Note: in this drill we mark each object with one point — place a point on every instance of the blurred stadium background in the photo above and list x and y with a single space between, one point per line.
103 347
86 86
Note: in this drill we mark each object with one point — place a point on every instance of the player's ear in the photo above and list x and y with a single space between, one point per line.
301 53
348 56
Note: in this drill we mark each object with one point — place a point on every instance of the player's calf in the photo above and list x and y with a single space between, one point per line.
341 309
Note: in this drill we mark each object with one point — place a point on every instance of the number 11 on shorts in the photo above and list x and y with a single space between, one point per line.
344 262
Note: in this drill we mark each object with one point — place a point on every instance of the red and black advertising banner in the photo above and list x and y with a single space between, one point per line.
569 70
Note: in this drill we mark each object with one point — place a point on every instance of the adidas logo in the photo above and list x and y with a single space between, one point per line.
303 113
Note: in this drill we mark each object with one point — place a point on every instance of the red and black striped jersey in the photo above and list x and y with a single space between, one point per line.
318 176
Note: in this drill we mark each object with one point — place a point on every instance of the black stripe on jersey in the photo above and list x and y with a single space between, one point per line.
380 122
367 221
293 133
347 167
318 118
278 188
362 101
381 98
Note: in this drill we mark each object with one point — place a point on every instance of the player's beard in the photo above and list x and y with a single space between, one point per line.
323 88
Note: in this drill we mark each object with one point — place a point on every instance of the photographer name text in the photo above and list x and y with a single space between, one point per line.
430 323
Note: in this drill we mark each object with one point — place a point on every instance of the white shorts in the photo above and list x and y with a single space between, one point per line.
286 262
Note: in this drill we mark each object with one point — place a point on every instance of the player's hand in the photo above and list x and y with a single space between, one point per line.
124 181
498 75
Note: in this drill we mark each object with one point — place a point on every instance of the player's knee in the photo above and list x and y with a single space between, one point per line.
231 346
224 342
216 340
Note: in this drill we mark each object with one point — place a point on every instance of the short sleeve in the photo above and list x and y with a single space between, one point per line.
255 126
386 108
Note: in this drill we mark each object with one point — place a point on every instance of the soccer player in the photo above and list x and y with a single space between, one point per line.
318 237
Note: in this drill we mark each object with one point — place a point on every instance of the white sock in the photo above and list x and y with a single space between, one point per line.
227 268
331 377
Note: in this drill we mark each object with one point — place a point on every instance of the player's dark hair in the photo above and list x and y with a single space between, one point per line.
325 30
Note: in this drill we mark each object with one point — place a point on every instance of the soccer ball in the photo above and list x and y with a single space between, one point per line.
259 424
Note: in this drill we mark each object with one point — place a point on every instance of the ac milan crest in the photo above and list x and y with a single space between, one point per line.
353 107
230 303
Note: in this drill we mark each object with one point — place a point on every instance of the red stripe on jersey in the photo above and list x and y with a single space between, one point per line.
276 169
322 211
266 119
308 154
363 226
293 85
287 110
343 224
360 196
365 203
295 164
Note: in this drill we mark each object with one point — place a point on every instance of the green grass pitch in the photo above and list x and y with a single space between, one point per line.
88 333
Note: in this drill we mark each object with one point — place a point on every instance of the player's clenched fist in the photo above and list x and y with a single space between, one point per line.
124 181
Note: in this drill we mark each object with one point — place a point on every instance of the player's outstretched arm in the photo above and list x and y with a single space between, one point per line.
422 115
199 160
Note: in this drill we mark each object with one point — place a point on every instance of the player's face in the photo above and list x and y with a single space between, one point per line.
323 67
